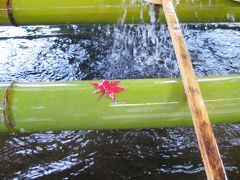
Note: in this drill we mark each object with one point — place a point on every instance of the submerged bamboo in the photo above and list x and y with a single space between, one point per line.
147 103
31 12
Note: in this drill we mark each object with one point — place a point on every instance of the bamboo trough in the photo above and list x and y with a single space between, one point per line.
33 12
147 103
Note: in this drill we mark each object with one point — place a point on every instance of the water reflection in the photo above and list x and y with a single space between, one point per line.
145 154
42 53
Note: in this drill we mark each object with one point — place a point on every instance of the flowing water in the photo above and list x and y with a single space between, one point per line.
65 53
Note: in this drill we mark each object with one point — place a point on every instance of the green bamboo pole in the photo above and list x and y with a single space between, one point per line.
31 12
147 103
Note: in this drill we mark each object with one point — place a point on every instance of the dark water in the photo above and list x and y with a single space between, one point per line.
64 53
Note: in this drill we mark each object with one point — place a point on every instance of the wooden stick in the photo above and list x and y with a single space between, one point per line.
208 147
209 150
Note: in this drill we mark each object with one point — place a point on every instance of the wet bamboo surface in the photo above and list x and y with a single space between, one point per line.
148 103
30 12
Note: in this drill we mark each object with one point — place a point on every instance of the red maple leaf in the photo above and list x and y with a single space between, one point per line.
108 88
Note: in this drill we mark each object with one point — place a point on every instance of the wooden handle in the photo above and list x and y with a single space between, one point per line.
209 150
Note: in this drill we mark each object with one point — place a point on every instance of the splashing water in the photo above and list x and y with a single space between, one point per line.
114 52
137 52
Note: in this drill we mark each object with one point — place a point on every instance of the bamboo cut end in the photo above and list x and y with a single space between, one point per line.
3 90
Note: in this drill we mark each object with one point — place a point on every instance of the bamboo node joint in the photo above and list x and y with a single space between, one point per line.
8 122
